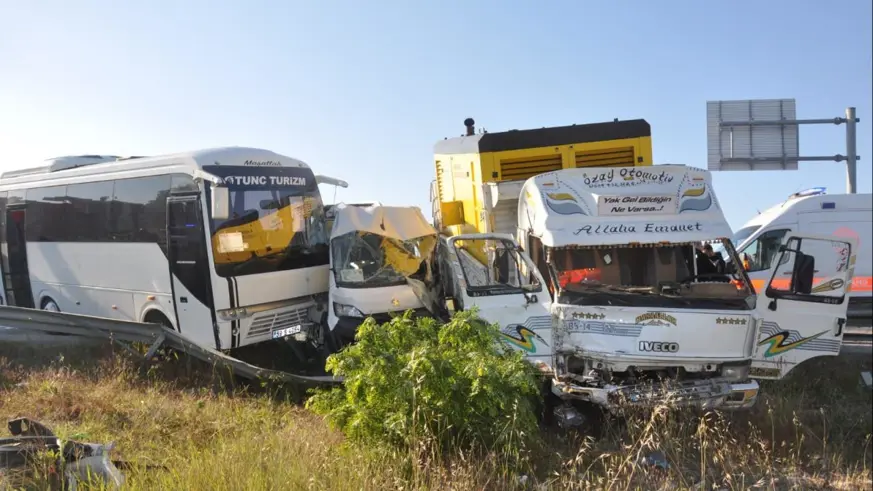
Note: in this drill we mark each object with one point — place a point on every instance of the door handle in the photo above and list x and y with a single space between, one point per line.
183 299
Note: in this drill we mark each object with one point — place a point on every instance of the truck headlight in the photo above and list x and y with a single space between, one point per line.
735 373
342 310
233 314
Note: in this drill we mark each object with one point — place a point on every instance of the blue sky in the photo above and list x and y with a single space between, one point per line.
362 90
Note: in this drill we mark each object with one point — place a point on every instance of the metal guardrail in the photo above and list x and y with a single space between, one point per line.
857 340
31 323
155 335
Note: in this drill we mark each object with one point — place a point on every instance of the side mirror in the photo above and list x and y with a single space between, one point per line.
220 203
802 276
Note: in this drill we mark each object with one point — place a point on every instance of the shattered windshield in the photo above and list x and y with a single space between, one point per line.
690 275
495 266
276 221
367 260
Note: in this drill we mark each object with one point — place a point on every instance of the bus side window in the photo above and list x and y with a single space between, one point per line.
47 217
4 253
89 207
183 183
139 207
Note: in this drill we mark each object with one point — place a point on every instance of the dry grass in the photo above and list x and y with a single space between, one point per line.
810 432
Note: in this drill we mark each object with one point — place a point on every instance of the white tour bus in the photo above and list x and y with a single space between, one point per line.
225 245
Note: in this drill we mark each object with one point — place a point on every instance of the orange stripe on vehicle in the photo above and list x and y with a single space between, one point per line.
862 283
859 283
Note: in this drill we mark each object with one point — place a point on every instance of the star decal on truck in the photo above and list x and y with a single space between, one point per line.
732 321
587 315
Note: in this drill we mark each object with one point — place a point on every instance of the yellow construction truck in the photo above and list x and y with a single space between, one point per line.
479 175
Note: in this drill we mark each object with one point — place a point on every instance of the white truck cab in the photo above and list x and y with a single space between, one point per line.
618 258
377 256
491 273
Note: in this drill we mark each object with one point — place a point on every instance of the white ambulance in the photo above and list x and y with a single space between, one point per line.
814 211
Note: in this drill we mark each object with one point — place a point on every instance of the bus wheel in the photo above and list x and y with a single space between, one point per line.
156 317
50 305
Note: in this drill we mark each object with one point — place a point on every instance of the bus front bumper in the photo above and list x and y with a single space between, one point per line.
346 327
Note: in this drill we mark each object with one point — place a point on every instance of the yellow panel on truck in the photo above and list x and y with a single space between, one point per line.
477 174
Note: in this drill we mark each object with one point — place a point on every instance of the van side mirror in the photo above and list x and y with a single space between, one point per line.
802 276
220 203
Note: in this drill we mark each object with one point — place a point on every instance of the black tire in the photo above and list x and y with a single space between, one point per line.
157 317
49 301
42 306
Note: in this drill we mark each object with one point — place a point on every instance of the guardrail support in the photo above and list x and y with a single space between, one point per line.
153 349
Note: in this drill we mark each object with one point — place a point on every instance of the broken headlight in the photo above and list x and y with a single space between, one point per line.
735 373
343 310
233 314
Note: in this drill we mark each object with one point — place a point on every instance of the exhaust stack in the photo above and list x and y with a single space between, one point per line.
471 128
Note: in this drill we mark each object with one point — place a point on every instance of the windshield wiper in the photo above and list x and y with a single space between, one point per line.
645 290
599 290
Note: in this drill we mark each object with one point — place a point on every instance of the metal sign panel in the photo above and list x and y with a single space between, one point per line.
749 135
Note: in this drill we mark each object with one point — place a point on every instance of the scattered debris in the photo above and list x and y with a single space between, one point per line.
655 458
568 416
74 462
867 378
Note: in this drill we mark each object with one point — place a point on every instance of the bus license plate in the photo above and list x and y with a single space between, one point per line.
287 331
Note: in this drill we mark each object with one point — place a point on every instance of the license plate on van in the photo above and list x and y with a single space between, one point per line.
287 331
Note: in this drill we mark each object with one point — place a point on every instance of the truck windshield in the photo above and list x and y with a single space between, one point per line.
367 260
662 275
494 267
276 221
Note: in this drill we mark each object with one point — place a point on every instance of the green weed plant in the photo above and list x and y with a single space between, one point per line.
414 383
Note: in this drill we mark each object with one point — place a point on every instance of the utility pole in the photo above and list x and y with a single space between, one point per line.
851 153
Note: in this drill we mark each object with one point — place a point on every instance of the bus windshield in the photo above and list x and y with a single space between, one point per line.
276 221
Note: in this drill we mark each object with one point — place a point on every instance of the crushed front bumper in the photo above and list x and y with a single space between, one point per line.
706 394
346 327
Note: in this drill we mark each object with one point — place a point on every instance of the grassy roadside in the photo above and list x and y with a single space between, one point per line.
809 432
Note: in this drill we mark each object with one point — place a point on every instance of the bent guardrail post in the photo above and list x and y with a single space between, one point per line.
153 349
